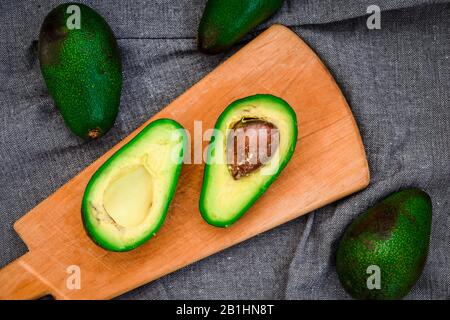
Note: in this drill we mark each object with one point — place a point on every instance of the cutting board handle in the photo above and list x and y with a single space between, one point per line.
18 280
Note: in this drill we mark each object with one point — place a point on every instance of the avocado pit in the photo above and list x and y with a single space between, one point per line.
250 144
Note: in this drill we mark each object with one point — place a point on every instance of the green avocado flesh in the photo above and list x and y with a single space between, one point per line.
394 236
127 199
225 22
231 185
81 68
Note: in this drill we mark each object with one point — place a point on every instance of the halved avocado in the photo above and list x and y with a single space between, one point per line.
232 181
127 198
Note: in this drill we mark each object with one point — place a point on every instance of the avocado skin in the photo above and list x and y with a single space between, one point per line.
226 22
82 70
393 235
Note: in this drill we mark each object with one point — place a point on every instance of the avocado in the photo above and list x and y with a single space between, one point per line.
127 198
253 140
81 66
391 237
226 22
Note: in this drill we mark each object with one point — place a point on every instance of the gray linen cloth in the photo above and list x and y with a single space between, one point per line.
396 80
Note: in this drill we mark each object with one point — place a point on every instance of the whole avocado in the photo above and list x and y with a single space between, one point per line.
81 66
392 237
226 22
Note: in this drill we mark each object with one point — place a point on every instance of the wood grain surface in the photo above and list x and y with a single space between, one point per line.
328 164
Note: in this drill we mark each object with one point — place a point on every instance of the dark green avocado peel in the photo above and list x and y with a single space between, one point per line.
392 237
82 69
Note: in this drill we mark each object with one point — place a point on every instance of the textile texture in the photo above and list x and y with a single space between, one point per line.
396 80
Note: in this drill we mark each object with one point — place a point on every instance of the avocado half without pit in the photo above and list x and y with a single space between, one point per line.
127 199
253 140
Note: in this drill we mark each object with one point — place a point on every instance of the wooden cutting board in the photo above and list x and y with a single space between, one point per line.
328 164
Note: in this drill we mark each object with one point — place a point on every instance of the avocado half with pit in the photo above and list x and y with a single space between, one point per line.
127 198
253 140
